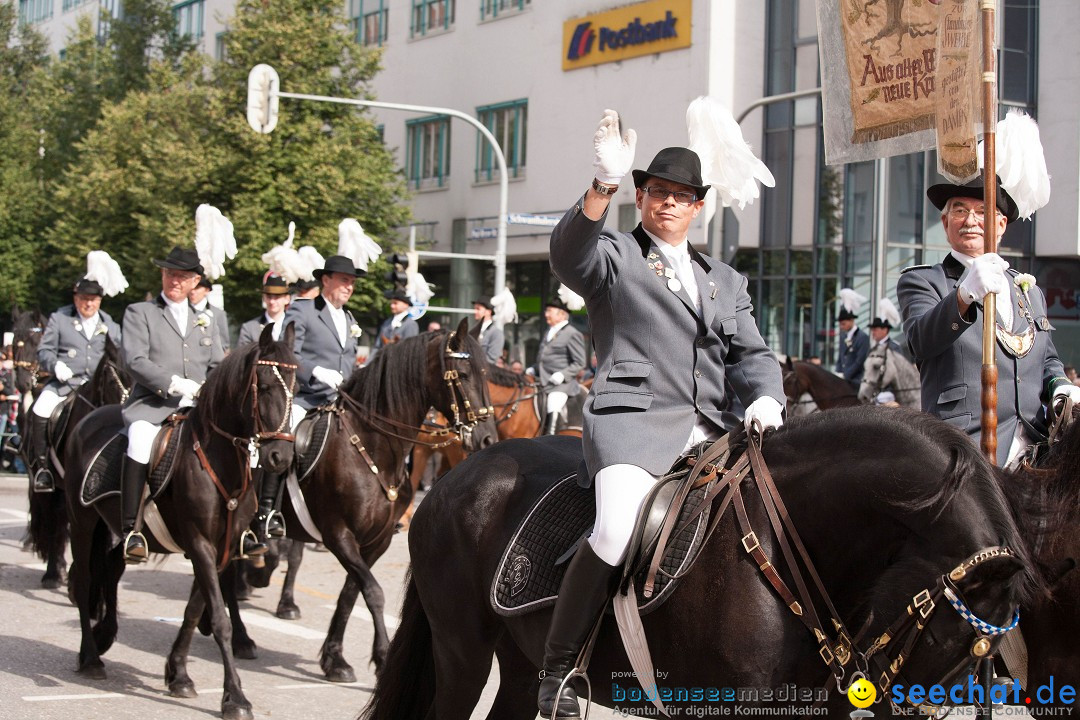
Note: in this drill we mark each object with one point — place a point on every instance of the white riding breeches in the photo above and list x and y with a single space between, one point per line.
45 404
620 490
141 436
556 401
298 414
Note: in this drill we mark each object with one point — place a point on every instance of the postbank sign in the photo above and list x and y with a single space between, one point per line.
631 31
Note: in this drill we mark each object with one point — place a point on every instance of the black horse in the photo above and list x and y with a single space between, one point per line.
28 327
1047 502
375 421
208 502
47 531
886 502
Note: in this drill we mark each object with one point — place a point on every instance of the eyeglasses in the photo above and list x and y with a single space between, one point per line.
659 193
961 213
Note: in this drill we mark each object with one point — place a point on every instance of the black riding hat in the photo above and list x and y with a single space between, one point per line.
86 286
275 285
880 323
676 164
556 302
399 295
941 193
484 300
845 314
181 259
338 263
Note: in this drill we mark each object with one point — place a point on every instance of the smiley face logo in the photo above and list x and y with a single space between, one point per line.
862 693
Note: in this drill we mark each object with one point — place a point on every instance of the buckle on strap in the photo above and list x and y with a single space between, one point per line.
749 538
923 603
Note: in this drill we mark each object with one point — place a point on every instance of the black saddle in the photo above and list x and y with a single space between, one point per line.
311 436
537 555
103 473
58 420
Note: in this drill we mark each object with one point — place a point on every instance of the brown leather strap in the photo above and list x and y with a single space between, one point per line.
231 501
753 548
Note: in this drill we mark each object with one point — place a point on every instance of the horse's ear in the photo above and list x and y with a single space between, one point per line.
289 335
788 364
266 339
458 341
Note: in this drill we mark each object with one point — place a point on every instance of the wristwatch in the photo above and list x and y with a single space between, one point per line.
603 189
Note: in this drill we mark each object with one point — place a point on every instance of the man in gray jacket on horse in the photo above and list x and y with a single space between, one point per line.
672 328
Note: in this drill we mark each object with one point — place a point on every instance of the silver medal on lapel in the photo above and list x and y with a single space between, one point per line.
673 282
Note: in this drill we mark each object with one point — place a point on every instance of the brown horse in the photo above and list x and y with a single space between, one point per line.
827 390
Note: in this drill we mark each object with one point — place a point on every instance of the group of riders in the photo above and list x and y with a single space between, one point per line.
674 338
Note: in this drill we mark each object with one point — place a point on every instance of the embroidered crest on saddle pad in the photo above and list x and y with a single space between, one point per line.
536 558
311 435
103 473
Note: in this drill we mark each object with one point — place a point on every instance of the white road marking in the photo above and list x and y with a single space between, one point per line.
22 515
364 614
306 686
267 623
86 696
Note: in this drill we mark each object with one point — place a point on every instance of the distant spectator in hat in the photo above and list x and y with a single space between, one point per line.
169 349
71 348
434 326
559 358
399 325
275 300
485 330
854 347
200 300
882 325
942 310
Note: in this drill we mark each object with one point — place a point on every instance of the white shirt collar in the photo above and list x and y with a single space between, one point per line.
201 305
851 333
485 324
680 249
963 259
398 319
175 306
556 328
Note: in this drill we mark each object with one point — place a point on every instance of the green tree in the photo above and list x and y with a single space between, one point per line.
157 154
22 62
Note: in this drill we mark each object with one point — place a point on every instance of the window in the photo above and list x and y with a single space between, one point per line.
369 20
427 155
189 17
110 10
33 11
219 46
70 4
491 9
508 122
431 16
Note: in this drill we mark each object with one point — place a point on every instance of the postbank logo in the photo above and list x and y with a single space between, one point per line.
641 29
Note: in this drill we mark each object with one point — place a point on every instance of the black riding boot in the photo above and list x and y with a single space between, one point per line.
39 456
551 423
132 482
585 591
267 522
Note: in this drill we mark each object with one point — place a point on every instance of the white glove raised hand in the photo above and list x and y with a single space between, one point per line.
986 275
325 375
557 378
185 387
62 372
765 410
1066 391
614 154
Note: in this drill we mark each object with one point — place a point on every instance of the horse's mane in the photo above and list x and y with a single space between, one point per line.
227 385
96 387
503 377
388 384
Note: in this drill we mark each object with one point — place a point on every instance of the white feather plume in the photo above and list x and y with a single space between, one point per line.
284 261
417 288
355 244
214 240
1021 164
570 298
727 161
504 307
888 312
311 261
851 300
106 272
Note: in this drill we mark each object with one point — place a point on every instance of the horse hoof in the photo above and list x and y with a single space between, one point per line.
244 594
341 675
51 583
93 672
183 690
288 612
245 651
237 712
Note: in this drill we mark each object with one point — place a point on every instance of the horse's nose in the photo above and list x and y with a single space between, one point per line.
487 440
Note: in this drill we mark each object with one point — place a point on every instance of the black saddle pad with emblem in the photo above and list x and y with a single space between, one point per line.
311 435
536 558
103 475
166 450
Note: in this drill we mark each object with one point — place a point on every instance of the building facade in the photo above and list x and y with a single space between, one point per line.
538 74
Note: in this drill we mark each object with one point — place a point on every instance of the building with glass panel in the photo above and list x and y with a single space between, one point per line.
538 74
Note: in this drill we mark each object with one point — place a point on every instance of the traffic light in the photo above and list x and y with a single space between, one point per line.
398 275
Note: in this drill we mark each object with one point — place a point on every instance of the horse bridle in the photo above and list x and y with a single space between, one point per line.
879 386
915 619
453 383
125 391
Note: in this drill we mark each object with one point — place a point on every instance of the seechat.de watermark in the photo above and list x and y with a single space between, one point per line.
972 692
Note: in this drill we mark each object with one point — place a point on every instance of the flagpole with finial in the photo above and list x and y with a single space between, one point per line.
990 239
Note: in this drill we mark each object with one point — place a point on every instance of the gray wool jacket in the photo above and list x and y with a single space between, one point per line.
64 340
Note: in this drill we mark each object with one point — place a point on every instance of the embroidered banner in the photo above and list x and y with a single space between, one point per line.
959 98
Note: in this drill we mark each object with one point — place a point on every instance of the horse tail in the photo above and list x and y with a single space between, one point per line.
405 688
47 531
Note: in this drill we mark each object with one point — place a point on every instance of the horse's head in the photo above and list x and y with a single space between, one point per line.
876 374
28 327
111 382
460 392
273 384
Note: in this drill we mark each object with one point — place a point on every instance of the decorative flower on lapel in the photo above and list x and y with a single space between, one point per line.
355 330
1024 281
101 329
202 320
